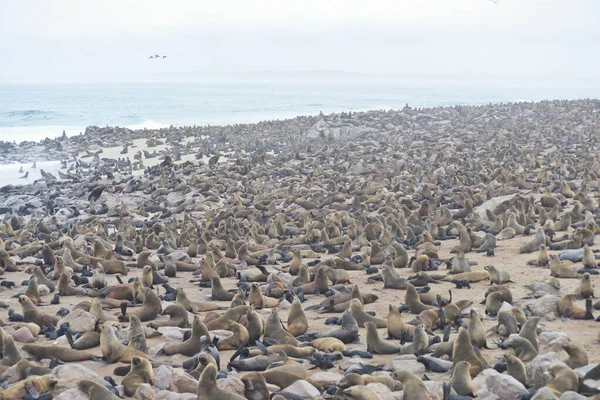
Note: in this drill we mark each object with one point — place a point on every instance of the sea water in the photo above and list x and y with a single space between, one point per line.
35 111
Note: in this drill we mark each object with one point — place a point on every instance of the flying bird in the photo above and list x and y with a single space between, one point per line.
156 56
151 57
164 56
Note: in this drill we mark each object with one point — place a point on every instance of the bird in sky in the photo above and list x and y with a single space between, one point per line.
151 57
164 56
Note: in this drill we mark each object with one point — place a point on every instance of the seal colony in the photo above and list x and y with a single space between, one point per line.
443 253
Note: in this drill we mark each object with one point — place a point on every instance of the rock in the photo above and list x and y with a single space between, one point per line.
43 289
392 396
69 374
378 388
499 205
162 376
11 375
410 365
582 371
503 386
554 340
326 378
353 362
544 287
572 396
79 321
303 389
273 388
72 394
23 335
171 333
544 305
537 369
544 394
174 379
145 392
435 389
232 384
154 350
505 306
182 382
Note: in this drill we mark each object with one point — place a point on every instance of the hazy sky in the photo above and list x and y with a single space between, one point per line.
551 41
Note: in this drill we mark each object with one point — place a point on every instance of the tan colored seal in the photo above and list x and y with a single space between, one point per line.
140 372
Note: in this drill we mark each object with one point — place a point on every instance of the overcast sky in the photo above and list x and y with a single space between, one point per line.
554 41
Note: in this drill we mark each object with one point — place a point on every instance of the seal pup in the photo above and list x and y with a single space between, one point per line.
141 372
297 322
412 386
113 350
461 379
209 390
361 317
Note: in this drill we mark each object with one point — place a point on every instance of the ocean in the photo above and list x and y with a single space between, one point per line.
36 111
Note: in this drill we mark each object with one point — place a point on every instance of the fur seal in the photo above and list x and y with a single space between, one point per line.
113 350
255 386
274 329
361 317
568 309
474 276
522 348
141 372
33 386
258 300
391 280
565 379
462 350
194 306
65 354
239 338
412 386
150 309
31 314
297 322
190 346
476 330
10 352
319 285
136 337
376 345
413 301
529 332
496 276
178 317
348 332
534 244
395 325
461 379
209 390
558 270
515 368
328 345
577 355
233 314
218 292
257 363
286 374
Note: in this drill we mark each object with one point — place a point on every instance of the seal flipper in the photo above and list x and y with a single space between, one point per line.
262 347
69 337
